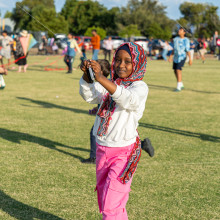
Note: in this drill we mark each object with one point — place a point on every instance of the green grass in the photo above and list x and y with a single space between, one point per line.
44 133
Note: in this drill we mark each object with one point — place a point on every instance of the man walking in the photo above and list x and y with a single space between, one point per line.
95 41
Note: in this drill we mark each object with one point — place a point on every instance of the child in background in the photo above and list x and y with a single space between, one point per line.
122 103
70 54
106 68
145 144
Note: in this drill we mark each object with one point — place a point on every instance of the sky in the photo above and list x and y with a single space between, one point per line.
172 5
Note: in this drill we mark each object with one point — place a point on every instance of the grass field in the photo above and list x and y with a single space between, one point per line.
44 134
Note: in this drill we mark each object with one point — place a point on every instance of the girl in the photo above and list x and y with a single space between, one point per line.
122 103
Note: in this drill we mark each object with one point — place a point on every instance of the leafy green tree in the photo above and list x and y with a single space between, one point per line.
108 20
203 17
48 17
21 18
156 31
144 13
100 31
68 8
8 14
130 30
85 14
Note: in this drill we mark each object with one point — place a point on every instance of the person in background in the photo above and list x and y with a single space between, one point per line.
6 46
170 50
215 37
202 49
108 48
21 59
192 50
150 46
212 46
44 43
84 50
166 47
70 54
181 47
95 41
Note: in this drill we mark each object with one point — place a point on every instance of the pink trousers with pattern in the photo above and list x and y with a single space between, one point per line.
112 194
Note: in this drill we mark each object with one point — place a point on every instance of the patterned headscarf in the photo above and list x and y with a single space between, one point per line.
139 63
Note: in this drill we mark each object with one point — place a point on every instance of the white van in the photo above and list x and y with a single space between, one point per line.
142 41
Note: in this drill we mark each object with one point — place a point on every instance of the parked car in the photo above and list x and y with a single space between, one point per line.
117 41
63 43
87 42
142 41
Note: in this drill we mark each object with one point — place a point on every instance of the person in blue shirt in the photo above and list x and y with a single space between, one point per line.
192 49
70 55
181 47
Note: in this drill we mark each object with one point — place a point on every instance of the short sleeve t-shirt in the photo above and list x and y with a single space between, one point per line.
5 42
192 46
181 46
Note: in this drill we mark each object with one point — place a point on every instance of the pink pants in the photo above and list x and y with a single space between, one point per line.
112 194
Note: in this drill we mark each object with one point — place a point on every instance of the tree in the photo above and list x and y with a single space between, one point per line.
203 17
130 30
108 20
21 18
101 32
8 14
144 13
50 19
156 31
85 14
41 10
68 8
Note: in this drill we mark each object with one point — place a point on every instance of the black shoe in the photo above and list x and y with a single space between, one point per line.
69 72
91 160
146 146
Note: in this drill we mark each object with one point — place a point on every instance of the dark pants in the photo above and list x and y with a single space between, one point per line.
92 144
69 61
107 53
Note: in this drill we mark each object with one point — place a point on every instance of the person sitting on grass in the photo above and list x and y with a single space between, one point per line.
122 103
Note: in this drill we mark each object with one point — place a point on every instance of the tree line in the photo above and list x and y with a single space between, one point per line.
138 17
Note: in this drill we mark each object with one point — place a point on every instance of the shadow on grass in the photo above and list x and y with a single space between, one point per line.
16 137
51 105
22 211
204 137
172 89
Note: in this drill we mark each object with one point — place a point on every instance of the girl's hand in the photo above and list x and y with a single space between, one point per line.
96 69
83 66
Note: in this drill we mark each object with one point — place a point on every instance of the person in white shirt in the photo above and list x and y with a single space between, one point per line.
166 47
6 46
122 103
108 48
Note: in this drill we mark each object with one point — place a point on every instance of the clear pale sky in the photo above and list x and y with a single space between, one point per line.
172 5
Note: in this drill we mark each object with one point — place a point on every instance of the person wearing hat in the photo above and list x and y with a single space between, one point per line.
181 47
20 58
6 48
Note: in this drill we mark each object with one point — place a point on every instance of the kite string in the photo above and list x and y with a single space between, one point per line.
35 19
